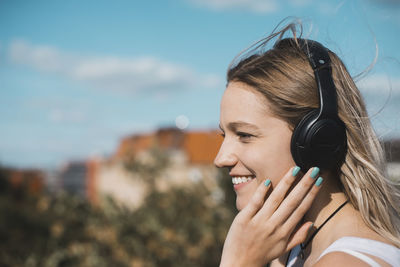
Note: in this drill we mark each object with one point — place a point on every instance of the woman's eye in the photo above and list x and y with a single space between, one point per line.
222 134
244 136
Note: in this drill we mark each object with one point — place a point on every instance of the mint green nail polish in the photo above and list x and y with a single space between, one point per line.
267 182
319 181
295 170
314 172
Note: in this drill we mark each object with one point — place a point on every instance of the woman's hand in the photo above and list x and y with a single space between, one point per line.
265 229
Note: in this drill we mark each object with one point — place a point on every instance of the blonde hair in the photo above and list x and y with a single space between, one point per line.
284 76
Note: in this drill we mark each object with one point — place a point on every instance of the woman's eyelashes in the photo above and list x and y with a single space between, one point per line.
244 137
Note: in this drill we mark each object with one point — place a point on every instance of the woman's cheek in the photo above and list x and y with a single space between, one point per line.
260 163
270 167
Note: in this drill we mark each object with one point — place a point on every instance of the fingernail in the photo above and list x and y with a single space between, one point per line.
267 182
314 172
311 227
295 170
319 181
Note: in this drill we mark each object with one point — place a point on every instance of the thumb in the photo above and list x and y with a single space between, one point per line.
299 235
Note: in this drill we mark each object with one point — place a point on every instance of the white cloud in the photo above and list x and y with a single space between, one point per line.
256 6
380 85
114 73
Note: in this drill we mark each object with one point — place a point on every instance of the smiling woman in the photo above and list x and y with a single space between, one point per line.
296 104
256 136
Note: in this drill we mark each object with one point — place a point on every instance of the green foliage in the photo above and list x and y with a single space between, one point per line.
44 231
183 226
174 228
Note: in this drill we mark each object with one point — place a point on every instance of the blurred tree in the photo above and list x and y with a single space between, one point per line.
175 228
39 230
149 165
183 226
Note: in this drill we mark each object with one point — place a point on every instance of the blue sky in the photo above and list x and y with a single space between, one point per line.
77 76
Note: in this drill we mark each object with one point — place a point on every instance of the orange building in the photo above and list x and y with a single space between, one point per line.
192 160
201 147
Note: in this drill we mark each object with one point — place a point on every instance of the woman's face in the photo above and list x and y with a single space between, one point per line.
256 144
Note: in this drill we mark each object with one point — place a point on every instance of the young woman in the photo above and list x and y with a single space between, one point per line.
296 104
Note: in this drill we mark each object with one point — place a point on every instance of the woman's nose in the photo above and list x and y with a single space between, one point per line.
225 156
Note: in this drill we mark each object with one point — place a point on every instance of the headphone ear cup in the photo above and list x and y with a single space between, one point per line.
300 153
318 142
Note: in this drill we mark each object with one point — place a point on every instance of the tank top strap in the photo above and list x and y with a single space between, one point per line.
357 246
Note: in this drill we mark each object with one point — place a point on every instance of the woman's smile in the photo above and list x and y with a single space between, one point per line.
240 181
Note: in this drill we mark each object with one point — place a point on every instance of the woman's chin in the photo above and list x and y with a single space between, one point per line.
245 193
241 203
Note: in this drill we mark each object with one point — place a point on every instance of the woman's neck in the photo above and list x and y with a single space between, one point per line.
329 199
346 222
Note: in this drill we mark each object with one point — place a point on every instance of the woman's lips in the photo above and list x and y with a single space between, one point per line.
239 182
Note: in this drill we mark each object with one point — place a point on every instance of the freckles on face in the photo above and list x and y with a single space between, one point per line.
256 143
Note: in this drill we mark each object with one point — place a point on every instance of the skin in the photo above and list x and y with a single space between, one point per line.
275 218
249 128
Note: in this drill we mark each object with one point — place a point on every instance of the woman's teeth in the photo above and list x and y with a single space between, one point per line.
239 180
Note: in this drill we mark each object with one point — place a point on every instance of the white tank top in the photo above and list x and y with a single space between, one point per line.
356 247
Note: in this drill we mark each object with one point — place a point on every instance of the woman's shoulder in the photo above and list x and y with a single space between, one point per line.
358 251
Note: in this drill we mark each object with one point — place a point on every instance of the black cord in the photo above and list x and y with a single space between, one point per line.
322 225
302 247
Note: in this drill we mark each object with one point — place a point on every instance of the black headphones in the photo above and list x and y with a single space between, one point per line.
319 139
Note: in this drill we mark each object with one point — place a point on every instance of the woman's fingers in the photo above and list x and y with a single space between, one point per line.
278 195
299 236
304 206
282 208
294 199
257 200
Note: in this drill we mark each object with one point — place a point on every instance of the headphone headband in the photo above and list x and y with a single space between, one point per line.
320 62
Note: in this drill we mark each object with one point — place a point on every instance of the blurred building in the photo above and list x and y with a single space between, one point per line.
200 147
73 178
31 180
190 160
392 150
392 153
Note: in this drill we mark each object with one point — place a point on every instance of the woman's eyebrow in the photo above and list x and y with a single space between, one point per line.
233 126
